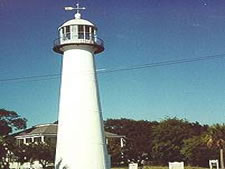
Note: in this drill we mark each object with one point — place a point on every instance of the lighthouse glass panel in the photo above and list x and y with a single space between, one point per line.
63 34
74 32
80 31
87 32
92 33
67 32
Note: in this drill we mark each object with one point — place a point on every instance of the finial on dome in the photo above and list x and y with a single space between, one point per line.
77 8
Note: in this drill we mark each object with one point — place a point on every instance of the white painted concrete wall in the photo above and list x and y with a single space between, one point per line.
80 130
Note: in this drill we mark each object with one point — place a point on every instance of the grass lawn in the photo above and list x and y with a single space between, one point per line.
160 167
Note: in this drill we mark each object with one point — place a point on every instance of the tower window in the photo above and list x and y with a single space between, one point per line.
67 32
92 31
73 32
80 32
87 32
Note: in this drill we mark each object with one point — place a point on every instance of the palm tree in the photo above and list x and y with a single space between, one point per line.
216 139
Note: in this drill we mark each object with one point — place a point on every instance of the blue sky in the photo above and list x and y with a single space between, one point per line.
135 33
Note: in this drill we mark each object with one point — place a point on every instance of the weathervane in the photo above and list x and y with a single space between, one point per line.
77 8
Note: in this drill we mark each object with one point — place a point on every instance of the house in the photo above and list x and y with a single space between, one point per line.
47 133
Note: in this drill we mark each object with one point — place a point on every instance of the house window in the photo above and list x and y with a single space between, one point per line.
19 141
50 140
28 140
37 139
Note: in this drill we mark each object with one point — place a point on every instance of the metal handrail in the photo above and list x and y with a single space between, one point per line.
80 38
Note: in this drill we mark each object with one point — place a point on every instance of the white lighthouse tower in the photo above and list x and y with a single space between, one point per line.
80 141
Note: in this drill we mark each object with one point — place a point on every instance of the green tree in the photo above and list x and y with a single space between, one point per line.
216 139
115 151
41 152
44 153
22 153
138 137
169 136
9 121
196 152
3 152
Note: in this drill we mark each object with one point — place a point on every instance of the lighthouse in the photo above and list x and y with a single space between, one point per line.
80 140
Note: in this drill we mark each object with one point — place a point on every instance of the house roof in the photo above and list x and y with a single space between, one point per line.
50 129
112 135
45 129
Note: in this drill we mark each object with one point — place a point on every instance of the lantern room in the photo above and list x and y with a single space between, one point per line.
76 32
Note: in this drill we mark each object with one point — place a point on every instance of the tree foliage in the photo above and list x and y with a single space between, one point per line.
115 151
216 140
169 136
216 136
3 152
44 153
41 152
9 121
171 139
138 137
196 152
157 142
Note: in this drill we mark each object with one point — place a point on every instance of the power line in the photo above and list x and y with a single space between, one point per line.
31 78
165 63
128 68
